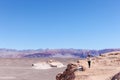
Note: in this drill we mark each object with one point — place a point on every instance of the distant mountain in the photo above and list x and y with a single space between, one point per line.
81 53
36 55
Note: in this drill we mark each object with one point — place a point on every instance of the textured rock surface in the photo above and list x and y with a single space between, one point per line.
116 77
70 72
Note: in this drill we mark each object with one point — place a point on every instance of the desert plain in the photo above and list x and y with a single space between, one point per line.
103 68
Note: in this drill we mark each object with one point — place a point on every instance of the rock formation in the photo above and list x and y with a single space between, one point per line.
108 59
55 64
102 68
70 72
47 65
116 77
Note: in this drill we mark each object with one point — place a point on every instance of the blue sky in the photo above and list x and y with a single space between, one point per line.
80 24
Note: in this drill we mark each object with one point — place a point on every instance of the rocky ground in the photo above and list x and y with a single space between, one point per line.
103 68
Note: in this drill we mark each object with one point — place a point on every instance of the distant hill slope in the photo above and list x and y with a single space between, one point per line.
81 53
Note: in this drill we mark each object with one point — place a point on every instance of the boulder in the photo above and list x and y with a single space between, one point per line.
69 73
116 77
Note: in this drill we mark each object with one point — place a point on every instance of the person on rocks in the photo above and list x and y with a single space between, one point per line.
89 60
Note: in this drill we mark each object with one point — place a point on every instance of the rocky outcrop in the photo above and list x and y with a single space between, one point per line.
57 64
47 65
70 72
116 77
108 59
102 67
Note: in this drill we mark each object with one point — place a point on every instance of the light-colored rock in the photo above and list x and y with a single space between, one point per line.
42 65
48 65
56 64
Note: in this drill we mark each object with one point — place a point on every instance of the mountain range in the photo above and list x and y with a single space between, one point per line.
41 53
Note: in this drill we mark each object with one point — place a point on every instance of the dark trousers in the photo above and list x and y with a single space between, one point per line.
89 64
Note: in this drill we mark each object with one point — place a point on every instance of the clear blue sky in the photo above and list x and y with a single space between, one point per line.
80 24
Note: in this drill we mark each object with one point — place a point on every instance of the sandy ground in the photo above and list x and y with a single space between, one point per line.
100 73
21 69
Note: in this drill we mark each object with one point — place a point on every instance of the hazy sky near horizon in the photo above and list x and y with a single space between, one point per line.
80 24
